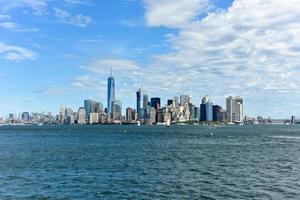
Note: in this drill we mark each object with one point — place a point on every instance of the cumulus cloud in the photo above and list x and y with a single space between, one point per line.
251 47
67 18
174 13
15 53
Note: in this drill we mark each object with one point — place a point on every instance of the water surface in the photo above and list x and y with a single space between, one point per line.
150 162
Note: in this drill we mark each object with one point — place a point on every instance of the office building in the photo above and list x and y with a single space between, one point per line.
234 107
185 99
152 117
110 93
197 113
155 102
94 118
87 107
145 106
25 116
130 115
217 117
139 103
81 118
116 110
209 111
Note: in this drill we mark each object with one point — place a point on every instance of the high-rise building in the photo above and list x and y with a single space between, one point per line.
202 112
185 99
293 119
145 107
223 115
110 93
81 116
139 103
130 114
170 102
96 107
155 102
217 117
117 110
209 111
25 116
176 102
203 115
68 112
61 117
234 107
197 113
191 111
206 110
145 101
87 107
152 115
94 118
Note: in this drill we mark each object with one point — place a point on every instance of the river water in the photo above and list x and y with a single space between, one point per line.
150 162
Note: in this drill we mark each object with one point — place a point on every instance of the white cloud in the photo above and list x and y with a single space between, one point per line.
38 6
254 44
16 27
15 53
67 18
8 25
174 13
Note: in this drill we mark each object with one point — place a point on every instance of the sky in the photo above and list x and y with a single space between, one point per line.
60 52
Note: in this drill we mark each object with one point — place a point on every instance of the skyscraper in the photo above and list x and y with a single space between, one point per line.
206 110
209 111
81 116
25 116
155 102
87 107
217 113
139 102
185 99
234 107
110 93
145 107
117 109
203 116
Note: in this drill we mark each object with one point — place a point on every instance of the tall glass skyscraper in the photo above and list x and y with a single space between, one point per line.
209 111
87 107
139 102
110 93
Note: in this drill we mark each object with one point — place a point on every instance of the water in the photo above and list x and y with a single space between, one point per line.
129 162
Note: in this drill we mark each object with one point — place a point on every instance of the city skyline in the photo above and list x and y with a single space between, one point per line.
177 110
61 52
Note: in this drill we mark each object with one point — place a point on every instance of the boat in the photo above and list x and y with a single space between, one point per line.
138 123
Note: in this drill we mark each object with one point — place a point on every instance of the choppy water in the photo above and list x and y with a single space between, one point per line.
180 162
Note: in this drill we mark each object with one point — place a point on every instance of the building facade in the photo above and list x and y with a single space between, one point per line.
110 93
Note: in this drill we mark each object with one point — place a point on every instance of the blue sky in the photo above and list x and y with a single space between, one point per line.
60 52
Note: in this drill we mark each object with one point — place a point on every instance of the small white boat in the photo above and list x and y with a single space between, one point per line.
138 123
